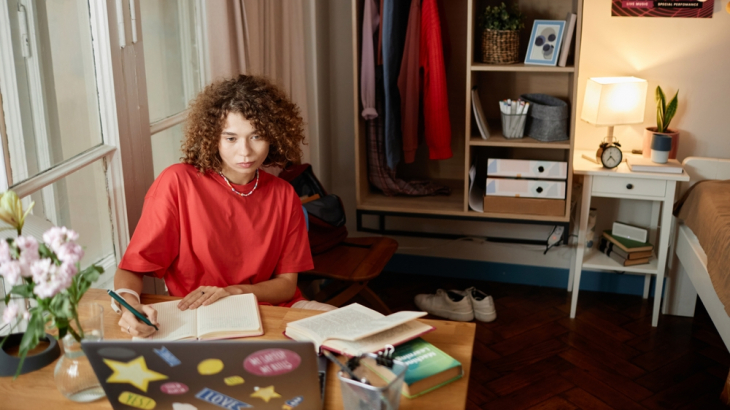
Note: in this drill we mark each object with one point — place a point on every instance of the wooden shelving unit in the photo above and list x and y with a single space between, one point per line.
464 70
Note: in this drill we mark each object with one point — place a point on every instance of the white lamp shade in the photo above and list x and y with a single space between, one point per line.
614 100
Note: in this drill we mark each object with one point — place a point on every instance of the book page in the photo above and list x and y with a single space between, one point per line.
174 324
239 313
325 325
351 323
376 342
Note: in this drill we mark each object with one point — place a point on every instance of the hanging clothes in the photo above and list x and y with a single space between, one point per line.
379 174
370 22
394 25
437 126
409 83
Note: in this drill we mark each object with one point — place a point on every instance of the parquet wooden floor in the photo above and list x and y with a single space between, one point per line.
535 357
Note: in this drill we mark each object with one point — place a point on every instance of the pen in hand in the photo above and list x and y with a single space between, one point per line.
124 303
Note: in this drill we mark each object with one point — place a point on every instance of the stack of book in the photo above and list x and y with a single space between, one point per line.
625 251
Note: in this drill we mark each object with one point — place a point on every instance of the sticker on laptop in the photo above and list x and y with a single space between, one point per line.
174 388
290 404
271 362
137 401
233 380
183 406
116 352
265 393
167 356
134 372
221 400
210 366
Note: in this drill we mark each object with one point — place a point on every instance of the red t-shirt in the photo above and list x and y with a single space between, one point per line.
194 231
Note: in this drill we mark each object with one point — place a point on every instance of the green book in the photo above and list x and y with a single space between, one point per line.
628 245
428 367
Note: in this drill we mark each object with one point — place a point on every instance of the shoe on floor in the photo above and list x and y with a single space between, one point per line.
483 304
452 305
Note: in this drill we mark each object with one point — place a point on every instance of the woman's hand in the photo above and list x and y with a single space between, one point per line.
203 296
130 324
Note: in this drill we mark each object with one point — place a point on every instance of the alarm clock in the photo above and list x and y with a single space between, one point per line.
609 154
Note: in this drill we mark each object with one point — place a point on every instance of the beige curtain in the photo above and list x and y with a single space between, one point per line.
270 42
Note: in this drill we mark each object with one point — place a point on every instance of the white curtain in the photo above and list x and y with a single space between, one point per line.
270 42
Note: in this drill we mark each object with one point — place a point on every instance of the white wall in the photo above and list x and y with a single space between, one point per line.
686 54
689 55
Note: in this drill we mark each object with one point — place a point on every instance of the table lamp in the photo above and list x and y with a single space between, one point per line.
613 101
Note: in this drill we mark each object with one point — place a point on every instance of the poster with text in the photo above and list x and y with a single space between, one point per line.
646 8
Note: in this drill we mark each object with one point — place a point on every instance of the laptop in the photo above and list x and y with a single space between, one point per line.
196 375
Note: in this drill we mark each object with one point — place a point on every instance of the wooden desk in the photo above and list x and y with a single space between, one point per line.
38 390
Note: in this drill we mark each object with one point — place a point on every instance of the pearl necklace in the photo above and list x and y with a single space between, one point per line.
234 189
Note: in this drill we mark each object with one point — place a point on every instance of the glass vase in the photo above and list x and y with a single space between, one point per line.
74 375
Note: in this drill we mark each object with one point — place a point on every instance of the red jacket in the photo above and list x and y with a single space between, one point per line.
435 99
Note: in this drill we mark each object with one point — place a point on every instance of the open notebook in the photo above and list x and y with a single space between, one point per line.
230 317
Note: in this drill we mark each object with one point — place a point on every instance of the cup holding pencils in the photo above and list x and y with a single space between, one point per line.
514 116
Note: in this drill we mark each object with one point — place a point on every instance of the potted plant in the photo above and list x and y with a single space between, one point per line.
501 34
48 272
664 114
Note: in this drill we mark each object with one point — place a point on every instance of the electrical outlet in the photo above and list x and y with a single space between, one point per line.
555 236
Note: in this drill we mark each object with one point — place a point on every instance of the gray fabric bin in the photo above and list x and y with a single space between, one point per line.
548 118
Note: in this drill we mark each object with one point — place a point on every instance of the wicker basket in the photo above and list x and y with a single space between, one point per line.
500 46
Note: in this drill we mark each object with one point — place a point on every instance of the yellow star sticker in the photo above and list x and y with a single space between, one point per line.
135 373
266 394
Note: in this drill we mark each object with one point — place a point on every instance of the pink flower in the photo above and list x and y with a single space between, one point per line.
49 279
11 312
68 269
57 236
12 272
4 251
70 252
28 247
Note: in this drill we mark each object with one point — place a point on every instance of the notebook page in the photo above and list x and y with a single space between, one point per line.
233 313
174 324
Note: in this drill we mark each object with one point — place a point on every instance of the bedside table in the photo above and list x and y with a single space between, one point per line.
620 182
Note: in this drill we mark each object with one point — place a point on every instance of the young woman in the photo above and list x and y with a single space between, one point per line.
216 224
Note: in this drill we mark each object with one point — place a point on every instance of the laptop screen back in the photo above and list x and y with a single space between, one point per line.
207 375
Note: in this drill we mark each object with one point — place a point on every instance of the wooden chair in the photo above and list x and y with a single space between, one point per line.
351 265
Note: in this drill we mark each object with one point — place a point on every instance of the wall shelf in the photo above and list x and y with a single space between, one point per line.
521 67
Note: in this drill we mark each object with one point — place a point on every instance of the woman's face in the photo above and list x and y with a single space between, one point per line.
241 148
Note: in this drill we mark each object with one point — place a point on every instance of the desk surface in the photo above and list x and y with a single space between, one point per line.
38 389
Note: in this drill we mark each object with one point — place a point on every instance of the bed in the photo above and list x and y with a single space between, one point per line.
689 275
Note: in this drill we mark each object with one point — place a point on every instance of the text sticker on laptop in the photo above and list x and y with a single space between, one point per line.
271 362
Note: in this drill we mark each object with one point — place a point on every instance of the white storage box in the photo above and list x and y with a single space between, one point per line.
518 168
525 188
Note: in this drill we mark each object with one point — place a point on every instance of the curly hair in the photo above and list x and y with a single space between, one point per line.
266 106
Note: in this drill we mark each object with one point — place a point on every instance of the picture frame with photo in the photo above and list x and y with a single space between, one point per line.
545 42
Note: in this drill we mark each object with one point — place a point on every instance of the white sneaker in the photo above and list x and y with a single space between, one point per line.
452 305
482 303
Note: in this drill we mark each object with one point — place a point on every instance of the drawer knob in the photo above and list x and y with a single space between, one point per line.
541 169
539 189
630 186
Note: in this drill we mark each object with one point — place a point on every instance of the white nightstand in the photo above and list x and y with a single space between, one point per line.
622 183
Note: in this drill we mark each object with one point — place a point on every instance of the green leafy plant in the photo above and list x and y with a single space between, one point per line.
501 18
47 272
664 112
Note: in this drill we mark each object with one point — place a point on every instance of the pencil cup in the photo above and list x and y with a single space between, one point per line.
378 395
513 125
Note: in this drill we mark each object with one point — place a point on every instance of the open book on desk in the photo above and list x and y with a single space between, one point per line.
227 318
355 329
